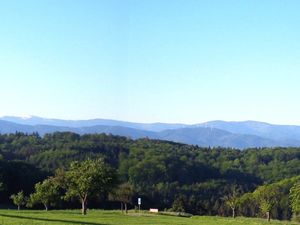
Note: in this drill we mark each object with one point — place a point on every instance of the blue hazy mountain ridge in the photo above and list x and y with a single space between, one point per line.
34 120
204 136
278 132
214 133
10 127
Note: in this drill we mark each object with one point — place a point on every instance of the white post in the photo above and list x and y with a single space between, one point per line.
139 203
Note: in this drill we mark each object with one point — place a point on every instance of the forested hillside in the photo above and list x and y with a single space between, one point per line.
241 135
165 174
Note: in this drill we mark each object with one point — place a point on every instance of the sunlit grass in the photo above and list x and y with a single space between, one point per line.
101 217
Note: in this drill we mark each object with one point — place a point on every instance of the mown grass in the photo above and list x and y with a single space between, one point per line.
100 217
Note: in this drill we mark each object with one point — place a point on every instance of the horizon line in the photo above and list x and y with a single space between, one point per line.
27 117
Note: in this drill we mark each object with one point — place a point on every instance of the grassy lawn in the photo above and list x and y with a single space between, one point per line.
99 217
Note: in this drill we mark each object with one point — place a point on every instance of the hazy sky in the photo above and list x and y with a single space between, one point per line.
148 61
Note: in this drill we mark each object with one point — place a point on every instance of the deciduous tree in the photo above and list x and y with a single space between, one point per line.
46 192
295 199
87 178
267 197
19 199
232 200
123 194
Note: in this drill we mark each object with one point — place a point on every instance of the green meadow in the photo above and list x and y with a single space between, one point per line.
100 217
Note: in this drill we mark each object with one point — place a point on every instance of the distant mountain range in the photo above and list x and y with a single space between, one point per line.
245 134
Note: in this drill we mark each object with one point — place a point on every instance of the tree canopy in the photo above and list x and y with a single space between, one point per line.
87 178
46 193
158 171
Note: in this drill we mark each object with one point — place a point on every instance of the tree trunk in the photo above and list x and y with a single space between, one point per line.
83 206
268 216
46 207
18 207
233 213
126 211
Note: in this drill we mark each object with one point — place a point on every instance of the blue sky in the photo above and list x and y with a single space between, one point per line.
147 61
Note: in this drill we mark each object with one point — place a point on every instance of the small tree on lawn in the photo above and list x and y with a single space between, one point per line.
123 194
88 178
179 204
248 204
46 192
295 199
232 200
267 197
18 199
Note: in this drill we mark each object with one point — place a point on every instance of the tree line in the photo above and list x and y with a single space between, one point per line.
82 181
166 175
270 200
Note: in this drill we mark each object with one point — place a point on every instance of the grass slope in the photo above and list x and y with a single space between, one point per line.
99 217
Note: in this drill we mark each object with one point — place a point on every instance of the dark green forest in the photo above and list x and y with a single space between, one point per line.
166 175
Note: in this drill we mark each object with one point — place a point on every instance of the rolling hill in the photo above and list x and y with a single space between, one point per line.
242 135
